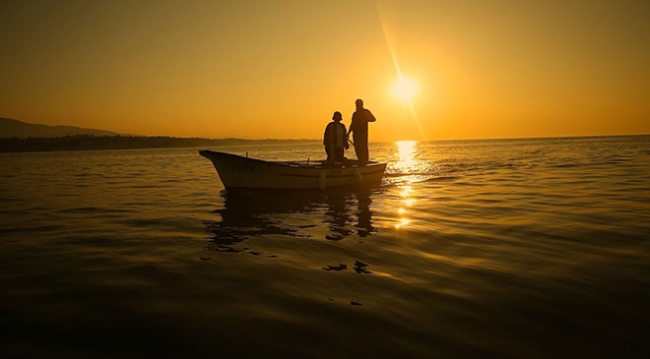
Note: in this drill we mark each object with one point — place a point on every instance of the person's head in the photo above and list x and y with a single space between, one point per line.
359 103
337 116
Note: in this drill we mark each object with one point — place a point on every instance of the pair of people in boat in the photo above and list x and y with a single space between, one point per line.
336 138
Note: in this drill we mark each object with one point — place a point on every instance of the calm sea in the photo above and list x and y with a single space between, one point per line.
531 248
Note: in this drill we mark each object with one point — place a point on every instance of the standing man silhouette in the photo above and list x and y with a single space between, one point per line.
359 129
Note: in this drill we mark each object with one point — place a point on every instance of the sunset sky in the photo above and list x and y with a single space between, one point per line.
280 68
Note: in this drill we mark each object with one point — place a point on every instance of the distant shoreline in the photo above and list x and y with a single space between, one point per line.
119 142
125 142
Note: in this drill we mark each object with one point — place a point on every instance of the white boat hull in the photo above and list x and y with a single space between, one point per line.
238 172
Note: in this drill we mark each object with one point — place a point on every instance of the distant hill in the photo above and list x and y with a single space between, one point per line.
14 128
18 136
90 142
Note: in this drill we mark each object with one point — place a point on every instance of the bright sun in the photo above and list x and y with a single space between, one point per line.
405 89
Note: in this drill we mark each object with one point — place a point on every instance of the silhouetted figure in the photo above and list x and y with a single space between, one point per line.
359 129
335 139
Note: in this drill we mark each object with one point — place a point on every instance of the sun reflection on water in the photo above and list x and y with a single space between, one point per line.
409 167
406 202
406 151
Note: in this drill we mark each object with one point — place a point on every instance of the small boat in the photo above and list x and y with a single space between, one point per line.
239 172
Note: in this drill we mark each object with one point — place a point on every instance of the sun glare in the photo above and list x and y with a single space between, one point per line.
404 89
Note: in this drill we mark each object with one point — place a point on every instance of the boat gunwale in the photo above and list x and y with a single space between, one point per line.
293 164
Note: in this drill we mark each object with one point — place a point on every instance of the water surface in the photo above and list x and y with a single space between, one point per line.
507 248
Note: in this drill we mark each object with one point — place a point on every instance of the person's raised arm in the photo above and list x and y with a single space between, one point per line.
371 118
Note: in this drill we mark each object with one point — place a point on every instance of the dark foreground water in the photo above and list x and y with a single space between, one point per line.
510 248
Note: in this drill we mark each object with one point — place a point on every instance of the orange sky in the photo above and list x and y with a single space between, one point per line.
279 69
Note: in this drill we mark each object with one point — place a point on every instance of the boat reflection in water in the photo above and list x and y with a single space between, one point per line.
330 215
343 211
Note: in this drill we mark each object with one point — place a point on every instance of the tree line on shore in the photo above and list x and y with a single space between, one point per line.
89 142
